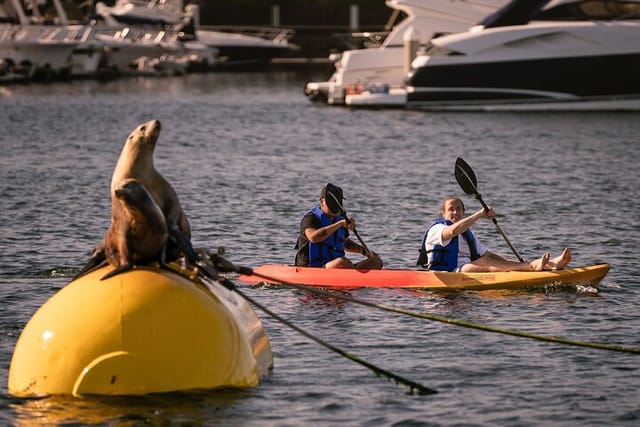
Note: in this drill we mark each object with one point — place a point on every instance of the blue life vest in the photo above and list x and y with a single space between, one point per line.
445 258
330 248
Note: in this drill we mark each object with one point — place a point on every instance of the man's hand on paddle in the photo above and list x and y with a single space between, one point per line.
489 213
349 223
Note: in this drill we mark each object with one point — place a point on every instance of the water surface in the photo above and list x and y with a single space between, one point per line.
248 154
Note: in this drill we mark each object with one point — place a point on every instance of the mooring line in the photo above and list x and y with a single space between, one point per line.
463 323
422 390
223 265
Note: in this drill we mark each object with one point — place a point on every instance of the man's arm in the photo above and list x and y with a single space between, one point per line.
351 246
464 224
316 235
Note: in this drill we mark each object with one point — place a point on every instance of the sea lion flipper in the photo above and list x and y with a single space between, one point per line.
162 259
89 268
183 243
97 259
117 271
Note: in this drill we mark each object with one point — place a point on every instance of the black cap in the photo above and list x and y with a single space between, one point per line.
335 193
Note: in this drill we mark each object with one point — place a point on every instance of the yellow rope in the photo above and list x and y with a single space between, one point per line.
610 347
463 323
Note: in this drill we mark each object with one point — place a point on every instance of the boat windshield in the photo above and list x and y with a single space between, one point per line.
516 12
519 12
608 10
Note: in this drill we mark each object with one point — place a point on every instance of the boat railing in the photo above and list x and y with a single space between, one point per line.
6 32
169 7
67 33
275 34
29 33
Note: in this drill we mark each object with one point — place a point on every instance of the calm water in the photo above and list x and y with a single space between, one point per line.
248 155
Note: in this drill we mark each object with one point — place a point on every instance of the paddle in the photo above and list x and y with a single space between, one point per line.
344 214
467 180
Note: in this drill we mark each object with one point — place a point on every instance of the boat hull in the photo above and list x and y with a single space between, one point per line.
550 83
527 78
543 65
431 280
148 330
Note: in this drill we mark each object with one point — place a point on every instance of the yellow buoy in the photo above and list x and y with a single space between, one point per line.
147 330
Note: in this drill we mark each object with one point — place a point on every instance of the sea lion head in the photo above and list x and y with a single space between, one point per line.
145 136
130 191
138 205
136 157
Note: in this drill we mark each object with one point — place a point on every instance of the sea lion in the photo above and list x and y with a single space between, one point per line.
136 162
137 234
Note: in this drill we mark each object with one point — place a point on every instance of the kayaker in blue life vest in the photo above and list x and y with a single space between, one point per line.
449 245
324 236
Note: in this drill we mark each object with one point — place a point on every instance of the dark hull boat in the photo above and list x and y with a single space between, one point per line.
550 55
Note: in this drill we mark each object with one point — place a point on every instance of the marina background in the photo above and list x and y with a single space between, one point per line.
248 154
65 39
319 28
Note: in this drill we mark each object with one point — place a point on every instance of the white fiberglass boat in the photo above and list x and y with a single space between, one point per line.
388 64
39 43
231 48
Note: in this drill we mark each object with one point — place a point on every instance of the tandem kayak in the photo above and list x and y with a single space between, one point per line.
422 279
147 330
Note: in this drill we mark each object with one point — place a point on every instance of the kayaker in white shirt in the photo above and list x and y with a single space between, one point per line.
441 234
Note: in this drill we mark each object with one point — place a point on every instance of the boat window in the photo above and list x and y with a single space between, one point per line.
593 9
434 50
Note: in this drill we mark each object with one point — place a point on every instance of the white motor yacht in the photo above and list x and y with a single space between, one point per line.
124 45
136 12
536 55
388 64
230 48
37 42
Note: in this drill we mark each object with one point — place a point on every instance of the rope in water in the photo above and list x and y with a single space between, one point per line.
223 265
421 390
463 323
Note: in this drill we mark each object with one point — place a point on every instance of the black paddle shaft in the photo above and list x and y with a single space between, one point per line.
467 180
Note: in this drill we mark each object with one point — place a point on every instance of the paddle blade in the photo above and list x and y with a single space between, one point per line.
466 177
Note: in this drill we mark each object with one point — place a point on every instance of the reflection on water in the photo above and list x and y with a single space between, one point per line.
193 408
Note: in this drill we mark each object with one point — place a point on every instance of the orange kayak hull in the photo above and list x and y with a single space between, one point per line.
421 279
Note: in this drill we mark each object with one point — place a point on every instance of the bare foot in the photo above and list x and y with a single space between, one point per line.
539 264
559 262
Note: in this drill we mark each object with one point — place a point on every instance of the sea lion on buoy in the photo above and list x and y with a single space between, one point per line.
136 162
137 234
